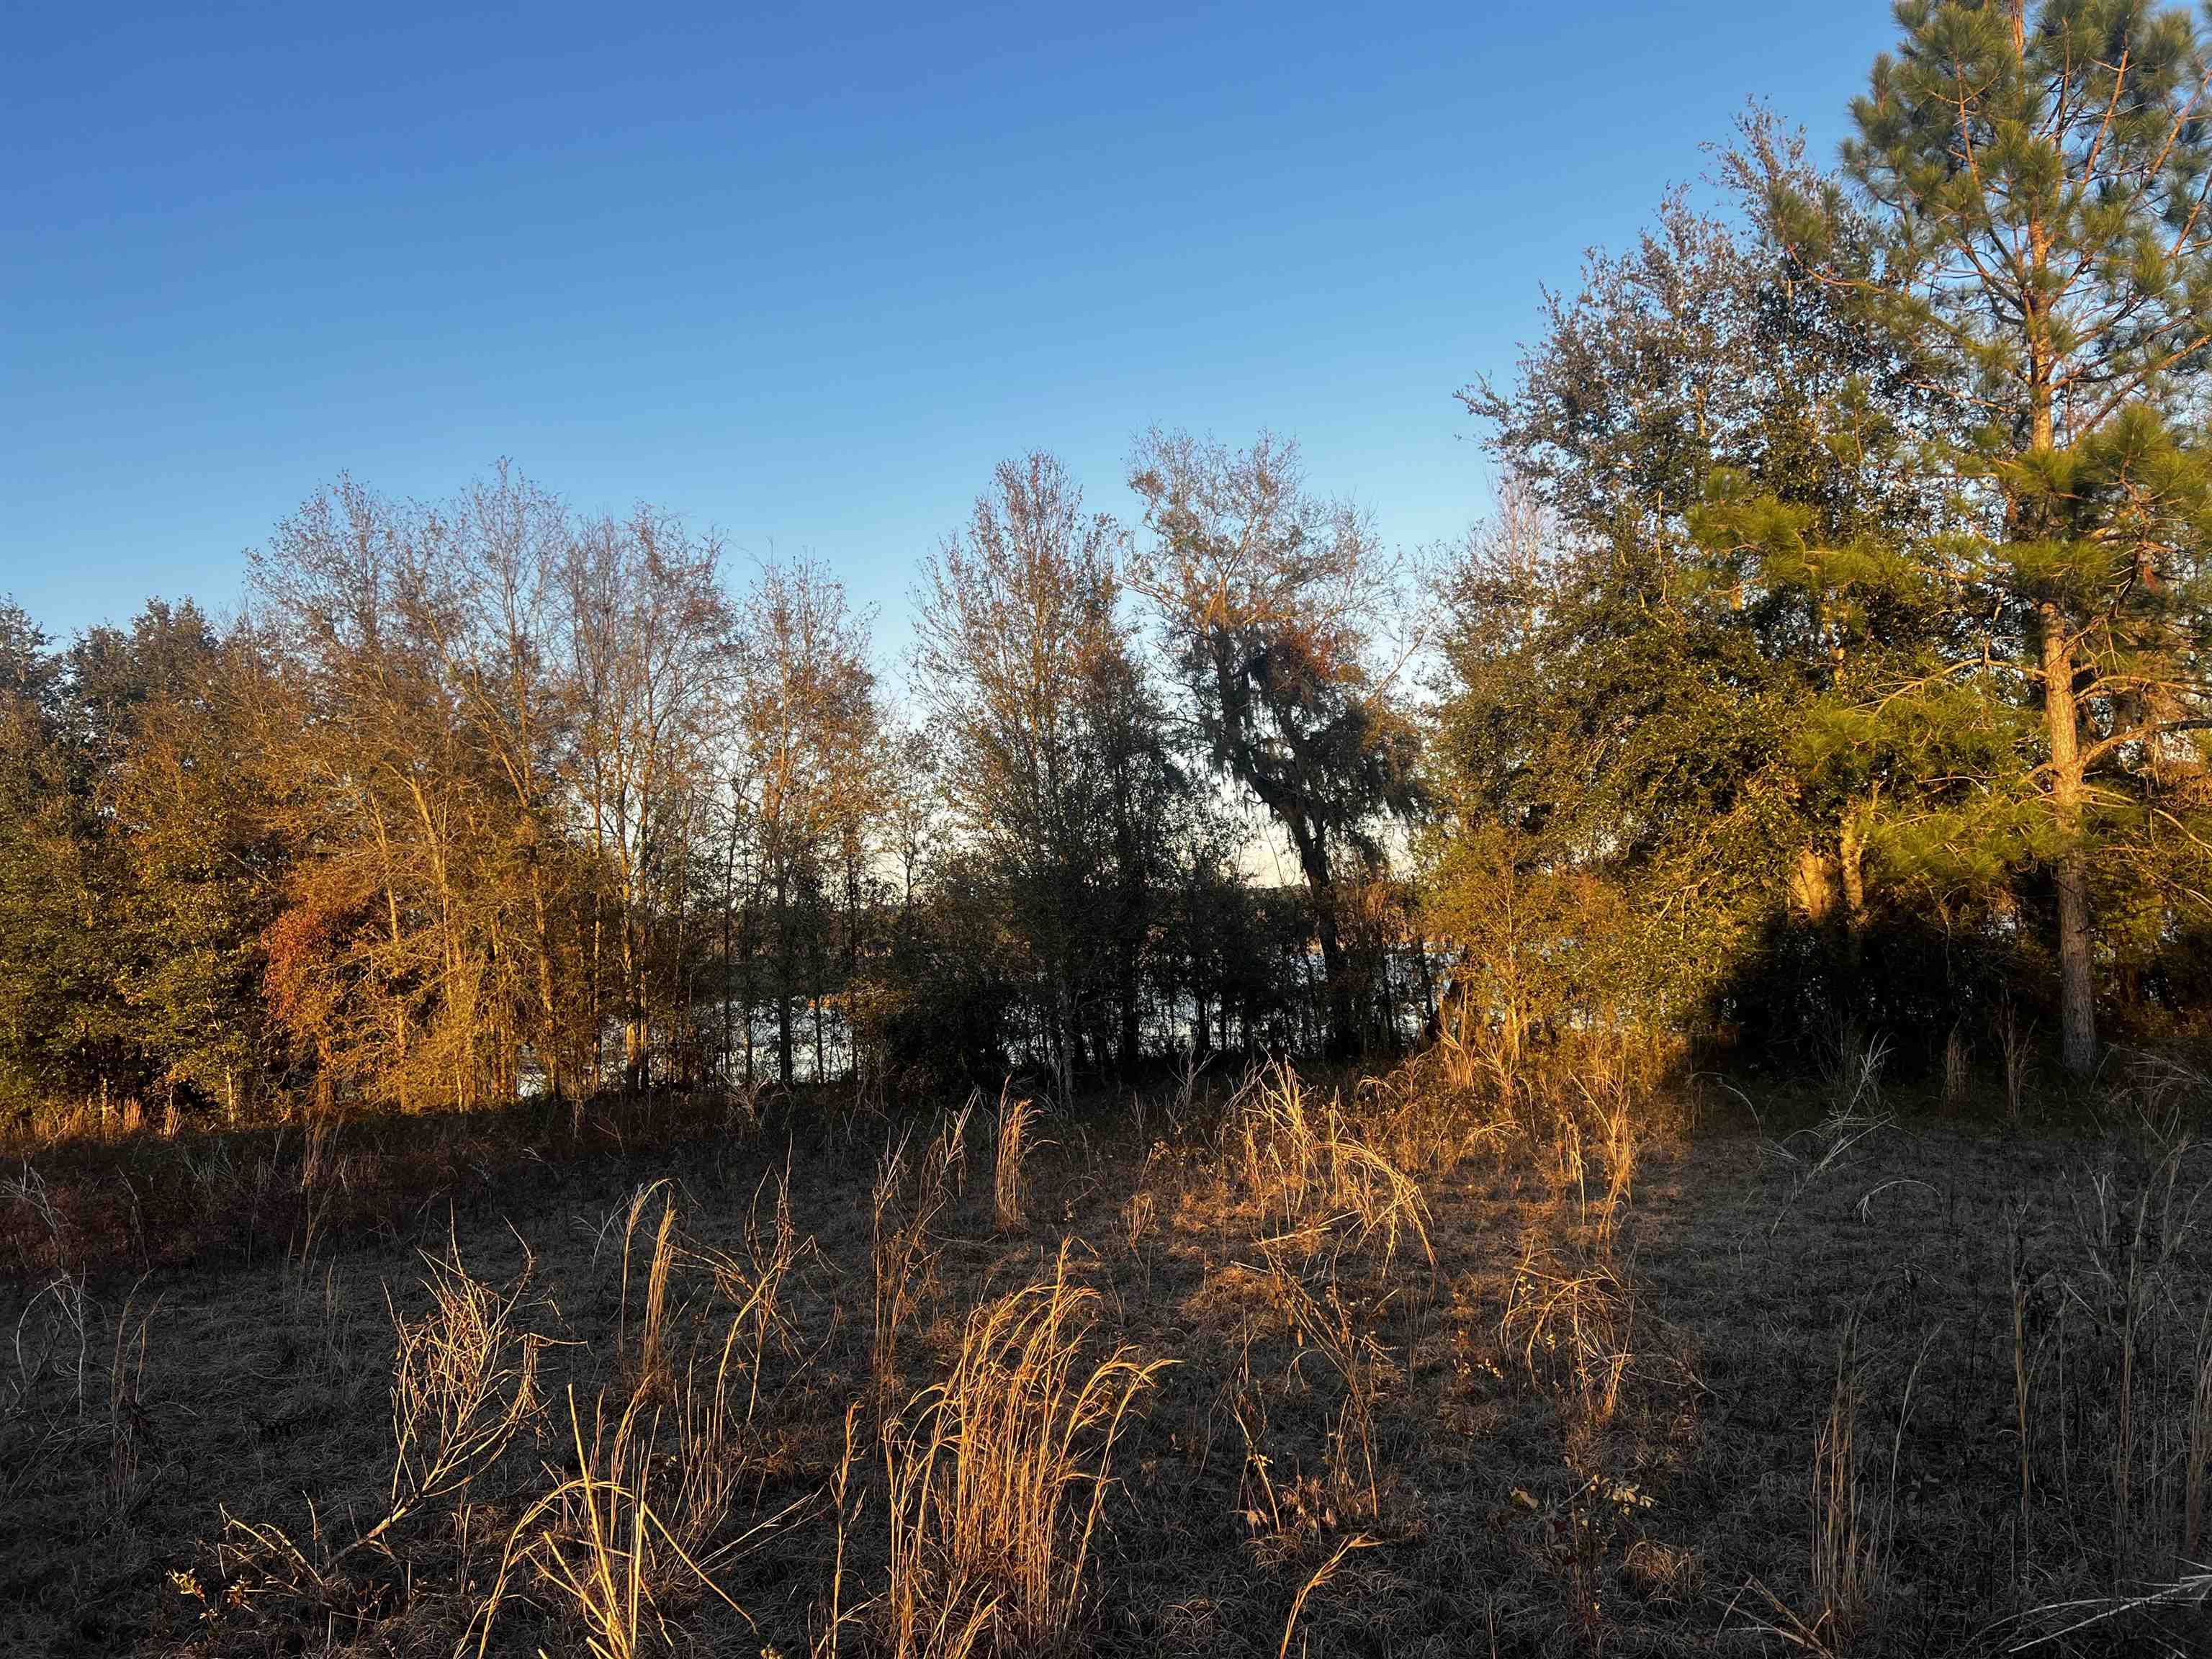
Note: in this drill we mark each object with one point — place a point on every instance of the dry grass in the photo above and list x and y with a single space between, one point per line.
128 1425
1319 1180
593 1541
613 1552
644 1348
902 1255
2015 1038
2142 1304
464 1385
828 1640
1847 1529
648 1512
1333 1328
755 1282
1321 1575
998 1476
1017 1114
1450 1372
464 1388
1574 1330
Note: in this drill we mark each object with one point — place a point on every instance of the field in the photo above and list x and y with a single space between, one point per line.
1258 1366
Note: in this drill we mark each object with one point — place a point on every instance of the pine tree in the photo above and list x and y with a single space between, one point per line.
1699 561
2039 182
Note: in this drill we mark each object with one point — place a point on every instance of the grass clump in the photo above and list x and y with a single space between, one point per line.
999 1475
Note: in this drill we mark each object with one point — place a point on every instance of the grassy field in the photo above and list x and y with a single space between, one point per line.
1269 1369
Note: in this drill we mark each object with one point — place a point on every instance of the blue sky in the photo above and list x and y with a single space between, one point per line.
802 274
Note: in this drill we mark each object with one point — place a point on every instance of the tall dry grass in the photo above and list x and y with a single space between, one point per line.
128 1423
646 1513
1017 1114
634 1536
1586 1098
1574 1325
596 1543
904 1204
1330 1327
464 1385
1320 1576
997 1477
2131 1281
829 1640
639 1520
755 1282
645 1351
1852 1514
464 1389
1847 1542
2015 1038
56 1407
1320 1180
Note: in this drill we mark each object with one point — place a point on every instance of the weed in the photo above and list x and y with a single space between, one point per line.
1016 1114
1316 1177
998 1475
901 1257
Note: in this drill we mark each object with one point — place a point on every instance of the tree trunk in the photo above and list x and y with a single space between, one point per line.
1130 1036
2077 1007
598 1035
783 1041
1852 862
729 918
1063 1020
1313 860
548 1025
633 1037
748 979
1336 982
852 955
815 976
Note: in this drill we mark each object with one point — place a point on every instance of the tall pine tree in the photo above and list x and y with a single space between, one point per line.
2039 178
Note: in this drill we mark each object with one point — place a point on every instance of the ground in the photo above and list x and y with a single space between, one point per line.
1419 1378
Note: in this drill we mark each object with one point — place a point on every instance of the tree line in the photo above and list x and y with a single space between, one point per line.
481 797
1833 659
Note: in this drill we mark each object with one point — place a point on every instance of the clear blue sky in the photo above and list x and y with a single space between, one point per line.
802 274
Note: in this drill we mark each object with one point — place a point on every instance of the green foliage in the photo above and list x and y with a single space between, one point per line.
2038 180
135 869
1835 657
2040 184
1855 582
1658 657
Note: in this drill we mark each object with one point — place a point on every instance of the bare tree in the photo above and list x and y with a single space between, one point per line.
1049 736
808 715
648 659
508 545
394 909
